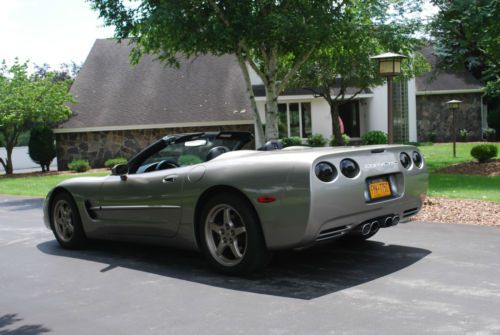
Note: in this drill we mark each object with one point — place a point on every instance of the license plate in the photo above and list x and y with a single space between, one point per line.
379 188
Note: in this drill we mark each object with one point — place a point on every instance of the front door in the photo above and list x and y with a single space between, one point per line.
349 113
147 204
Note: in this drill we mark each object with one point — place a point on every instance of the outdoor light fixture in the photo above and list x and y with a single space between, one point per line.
389 65
454 105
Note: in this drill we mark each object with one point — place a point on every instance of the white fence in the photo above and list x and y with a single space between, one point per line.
22 161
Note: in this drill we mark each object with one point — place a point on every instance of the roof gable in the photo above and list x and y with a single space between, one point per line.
112 92
444 81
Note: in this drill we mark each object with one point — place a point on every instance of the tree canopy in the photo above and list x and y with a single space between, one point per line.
260 33
467 34
26 100
367 29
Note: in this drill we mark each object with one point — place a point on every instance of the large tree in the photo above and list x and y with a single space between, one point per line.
261 33
467 34
25 101
367 29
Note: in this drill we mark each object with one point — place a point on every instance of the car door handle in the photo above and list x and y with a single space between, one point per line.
169 179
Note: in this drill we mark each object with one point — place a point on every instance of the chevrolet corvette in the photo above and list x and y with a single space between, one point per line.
204 191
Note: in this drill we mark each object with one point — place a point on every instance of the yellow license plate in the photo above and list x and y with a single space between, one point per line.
380 188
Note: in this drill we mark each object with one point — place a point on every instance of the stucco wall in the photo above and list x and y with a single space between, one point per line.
433 115
99 146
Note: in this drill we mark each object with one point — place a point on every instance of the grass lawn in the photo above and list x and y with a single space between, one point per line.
37 186
441 154
454 185
464 187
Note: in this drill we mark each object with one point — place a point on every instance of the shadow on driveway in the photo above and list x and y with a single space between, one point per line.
305 274
13 204
7 320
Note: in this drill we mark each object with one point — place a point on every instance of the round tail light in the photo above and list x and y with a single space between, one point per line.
405 160
325 172
349 168
417 159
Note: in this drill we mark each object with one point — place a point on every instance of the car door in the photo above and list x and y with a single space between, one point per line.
147 204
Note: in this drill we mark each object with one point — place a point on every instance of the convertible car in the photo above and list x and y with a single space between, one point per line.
202 191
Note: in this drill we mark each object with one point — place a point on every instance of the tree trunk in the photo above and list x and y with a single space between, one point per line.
8 161
259 131
272 120
334 111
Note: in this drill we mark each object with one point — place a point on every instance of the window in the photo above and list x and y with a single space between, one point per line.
294 119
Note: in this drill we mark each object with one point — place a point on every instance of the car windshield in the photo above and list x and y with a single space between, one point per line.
191 151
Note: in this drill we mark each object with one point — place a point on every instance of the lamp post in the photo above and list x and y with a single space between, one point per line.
389 66
454 105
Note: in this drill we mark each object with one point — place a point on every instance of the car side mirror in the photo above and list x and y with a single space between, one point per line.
120 170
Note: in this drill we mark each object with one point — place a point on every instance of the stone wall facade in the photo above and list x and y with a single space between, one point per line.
97 147
434 116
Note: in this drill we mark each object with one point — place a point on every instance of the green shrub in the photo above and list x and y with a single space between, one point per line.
188 160
374 137
431 136
79 165
345 138
316 140
489 134
41 146
291 141
484 152
115 161
463 134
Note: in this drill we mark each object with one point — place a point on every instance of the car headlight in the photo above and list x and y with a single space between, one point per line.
405 160
325 172
349 168
417 159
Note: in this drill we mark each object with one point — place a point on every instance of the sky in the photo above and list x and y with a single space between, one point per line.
48 31
57 31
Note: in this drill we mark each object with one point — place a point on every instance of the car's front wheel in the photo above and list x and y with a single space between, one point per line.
66 223
231 236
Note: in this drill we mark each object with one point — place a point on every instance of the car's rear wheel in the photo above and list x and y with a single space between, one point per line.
231 236
66 222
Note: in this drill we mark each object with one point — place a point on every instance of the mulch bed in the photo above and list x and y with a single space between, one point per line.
490 168
49 173
473 212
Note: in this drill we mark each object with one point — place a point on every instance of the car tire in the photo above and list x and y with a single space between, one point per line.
230 235
66 223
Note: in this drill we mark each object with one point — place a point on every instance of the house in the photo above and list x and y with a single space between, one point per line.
122 108
434 89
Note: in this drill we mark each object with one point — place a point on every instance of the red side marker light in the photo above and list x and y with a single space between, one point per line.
266 199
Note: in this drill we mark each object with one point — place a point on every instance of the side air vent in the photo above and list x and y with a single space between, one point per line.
377 151
410 212
90 210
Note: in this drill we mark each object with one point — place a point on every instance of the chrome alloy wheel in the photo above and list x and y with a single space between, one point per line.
226 235
63 220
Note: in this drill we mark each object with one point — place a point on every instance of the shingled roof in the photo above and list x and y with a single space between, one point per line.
112 93
444 81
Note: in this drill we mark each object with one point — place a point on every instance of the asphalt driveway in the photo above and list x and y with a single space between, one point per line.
411 279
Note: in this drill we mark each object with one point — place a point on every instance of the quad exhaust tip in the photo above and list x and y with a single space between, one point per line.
365 229
388 221
374 226
395 220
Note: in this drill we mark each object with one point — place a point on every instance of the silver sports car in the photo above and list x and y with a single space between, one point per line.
202 191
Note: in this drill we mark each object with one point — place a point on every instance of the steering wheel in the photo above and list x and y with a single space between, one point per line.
166 164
